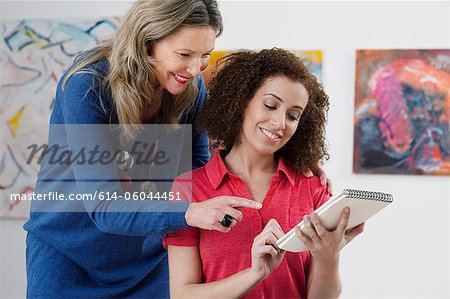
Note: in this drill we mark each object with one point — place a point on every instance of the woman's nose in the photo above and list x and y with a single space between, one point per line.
195 67
278 121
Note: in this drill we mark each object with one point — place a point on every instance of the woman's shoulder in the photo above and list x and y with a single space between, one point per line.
313 181
90 75
318 193
297 177
195 175
85 94
301 181
189 181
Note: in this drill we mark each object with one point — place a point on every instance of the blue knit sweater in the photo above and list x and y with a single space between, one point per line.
92 253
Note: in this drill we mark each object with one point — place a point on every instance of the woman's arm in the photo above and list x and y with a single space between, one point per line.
185 272
185 269
85 127
323 279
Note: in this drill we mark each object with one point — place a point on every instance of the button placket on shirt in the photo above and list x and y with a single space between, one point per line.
255 214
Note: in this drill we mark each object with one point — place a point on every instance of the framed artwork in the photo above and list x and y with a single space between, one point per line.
34 54
402 112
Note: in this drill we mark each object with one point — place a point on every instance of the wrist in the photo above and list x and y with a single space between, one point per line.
188 214
328 263
257 275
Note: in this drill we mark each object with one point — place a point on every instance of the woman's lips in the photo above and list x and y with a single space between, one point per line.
181 79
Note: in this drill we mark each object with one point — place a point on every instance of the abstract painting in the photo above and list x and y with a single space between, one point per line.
34 54
402 112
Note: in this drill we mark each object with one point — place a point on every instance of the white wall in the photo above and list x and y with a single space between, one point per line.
404 252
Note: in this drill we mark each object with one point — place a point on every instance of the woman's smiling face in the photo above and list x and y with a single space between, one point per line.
272 115
182 56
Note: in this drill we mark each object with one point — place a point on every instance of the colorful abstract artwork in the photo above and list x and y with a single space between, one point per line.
34 54
312 60
402 112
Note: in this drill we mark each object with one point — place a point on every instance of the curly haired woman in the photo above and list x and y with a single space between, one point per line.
271 128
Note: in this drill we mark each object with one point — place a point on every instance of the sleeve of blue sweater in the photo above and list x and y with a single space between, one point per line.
80 104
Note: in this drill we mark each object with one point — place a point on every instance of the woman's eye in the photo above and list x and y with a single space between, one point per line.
206 56
184 55
293 117
269 107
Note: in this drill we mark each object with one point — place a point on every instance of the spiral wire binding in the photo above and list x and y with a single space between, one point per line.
370 195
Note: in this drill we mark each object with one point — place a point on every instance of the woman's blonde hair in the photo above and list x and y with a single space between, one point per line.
131 77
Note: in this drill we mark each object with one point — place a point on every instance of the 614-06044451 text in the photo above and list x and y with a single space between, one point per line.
102 196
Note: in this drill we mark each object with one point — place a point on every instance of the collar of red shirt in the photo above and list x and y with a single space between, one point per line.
216 170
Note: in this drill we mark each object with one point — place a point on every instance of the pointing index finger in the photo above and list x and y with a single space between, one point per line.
239 202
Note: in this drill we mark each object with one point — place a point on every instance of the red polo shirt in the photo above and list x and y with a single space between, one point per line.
290 197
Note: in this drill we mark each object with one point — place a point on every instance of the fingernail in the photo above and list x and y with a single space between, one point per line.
347 210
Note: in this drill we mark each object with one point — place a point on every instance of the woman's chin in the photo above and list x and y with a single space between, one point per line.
266 151
176 91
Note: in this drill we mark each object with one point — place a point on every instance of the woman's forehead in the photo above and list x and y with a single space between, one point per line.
192 38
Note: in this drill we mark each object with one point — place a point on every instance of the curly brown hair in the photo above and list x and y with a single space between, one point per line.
232 87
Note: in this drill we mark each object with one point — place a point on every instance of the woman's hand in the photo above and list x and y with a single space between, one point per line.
208 214
325 245
324 181
266 256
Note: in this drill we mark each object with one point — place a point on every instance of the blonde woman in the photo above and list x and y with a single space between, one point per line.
149 73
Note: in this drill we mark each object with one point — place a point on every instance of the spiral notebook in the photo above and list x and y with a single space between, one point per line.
362 204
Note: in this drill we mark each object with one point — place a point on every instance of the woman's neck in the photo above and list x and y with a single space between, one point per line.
244 162
153 109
